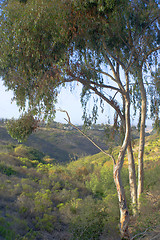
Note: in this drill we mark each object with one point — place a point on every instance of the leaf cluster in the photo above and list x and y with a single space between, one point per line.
21 129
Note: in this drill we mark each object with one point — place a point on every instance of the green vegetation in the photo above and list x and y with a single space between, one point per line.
77 200
59 142
48 44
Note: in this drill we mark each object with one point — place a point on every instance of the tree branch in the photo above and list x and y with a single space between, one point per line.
69 122
112 67
114 57
107 86
107 74
151 51
110 102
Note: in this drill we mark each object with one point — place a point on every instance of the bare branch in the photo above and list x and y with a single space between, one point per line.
143 234
69 122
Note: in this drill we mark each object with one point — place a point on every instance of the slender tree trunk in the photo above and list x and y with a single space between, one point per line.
131 169
142 136
132 178
124 214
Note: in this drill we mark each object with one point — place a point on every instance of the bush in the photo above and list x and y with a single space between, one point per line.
46 223
42 202
101 182
86 217
28 152
7 170
5 230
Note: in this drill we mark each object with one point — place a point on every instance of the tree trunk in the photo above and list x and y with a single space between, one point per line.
124 214
142 136
132 178
131 169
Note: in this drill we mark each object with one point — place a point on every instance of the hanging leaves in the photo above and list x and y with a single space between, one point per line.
21 129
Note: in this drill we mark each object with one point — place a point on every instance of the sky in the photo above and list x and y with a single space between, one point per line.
66 101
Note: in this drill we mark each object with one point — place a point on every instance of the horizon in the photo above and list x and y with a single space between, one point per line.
67 101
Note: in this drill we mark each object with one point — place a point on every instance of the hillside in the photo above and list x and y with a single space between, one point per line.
77 200
61 142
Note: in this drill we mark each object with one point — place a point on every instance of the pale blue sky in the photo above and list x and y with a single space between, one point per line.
67 101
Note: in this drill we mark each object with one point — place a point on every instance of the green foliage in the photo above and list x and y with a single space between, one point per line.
42 201
21 129
5 230
7 170
28 152
87 217
152 176
46 223
38 43
101 182
78 198
7 148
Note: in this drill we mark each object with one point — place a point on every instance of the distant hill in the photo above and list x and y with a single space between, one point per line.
64 143
61 142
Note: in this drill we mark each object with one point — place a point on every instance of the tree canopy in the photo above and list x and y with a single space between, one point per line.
106 46
45 44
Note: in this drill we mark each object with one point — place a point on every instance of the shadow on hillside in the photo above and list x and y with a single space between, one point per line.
4 136
72 146
47 148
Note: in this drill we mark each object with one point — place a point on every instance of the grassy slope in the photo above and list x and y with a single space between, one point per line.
42 200
61 144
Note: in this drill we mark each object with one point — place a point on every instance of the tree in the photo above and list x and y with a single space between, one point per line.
48 44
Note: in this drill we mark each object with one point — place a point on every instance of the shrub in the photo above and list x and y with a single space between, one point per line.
86 217
5 230
7 148
46 223
7 170
42 201
65 195
101 182
28 152
25 204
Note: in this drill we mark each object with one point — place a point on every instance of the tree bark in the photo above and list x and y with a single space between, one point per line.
142 136
132 178
124 214
131 170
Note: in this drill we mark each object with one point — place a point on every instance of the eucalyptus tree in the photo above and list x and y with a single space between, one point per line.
143 52
47 44
41 52
129 35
